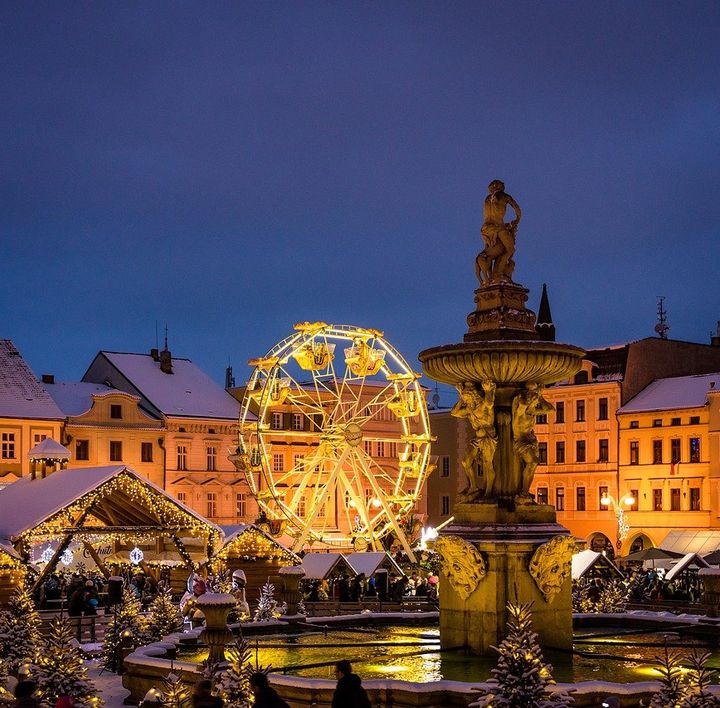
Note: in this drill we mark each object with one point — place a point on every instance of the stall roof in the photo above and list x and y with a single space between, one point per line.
701 542
318 566
234 532
368 563
584 561
687 561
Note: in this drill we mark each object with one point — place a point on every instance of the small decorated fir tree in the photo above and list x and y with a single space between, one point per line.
233 684
522 679
165 617
60 670
613 597
672 689
19 631
699 679
268 608
127 627
5 695
175 693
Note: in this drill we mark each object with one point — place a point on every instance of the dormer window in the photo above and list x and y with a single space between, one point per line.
116 411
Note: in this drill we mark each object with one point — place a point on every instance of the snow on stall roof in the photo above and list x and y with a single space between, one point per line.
369 562
75 397
49 449
21 395
188 391
672 393
688 560
319 565
583 561
26 503
234 531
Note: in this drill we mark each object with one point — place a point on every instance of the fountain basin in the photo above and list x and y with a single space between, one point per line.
506 362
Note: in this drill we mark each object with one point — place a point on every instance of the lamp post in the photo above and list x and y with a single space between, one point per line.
623 526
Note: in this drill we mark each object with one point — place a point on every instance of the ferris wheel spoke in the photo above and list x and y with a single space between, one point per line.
316 406
359 503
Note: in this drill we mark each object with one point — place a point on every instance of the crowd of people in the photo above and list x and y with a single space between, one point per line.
382 586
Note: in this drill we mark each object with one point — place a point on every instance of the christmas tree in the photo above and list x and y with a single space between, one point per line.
672 689
165 617
19 631
5 695
699 679
233 684
60 671
175 693
268 608
522 679
126 627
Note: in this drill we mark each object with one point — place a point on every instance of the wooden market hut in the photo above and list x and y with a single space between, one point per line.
326 566
97 506
258 554
591 564
12 572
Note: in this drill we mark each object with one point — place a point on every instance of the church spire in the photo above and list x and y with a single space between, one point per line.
544 325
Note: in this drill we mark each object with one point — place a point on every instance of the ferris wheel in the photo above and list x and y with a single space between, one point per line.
334 438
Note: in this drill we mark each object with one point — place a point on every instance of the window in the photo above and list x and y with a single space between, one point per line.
115 451
657 499
181 457
657 452
602 494
82 449
211 458
7 450
634 452
241 504
603 450
381 449
580 411
542 453
115 411
694 449
278 462
276 421
182 497
297 421
146 452
657 423
675 450
674 500
675 421
694 498
694 420
299 463
634 493
445 506
542 495
602 409
580 499
321 512
211 498
393 449
560 412
560 499
301 510
581 377
541 419
560 452
634 423
579 451
38 437
445 467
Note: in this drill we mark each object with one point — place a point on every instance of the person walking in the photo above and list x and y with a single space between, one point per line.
265 695
349 692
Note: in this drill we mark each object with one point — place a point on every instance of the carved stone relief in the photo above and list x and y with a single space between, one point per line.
550 565
461 563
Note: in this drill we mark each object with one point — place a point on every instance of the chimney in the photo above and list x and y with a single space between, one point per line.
715 340
166 362
48 378
155 354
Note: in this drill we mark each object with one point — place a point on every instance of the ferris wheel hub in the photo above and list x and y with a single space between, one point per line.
353 434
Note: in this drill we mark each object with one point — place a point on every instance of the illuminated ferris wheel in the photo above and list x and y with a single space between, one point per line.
334 438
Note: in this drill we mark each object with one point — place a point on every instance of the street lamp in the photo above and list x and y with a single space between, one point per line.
623 526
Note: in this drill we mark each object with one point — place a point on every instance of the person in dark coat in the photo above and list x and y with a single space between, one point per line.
203 697
265 695
25 695
349 692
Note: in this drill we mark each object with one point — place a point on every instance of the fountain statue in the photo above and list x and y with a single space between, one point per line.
502 546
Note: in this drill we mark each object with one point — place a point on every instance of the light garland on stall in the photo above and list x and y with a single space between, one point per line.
252 543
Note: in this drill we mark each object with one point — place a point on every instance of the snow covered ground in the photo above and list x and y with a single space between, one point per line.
108 684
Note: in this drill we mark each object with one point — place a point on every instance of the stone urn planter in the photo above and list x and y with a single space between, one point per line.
216 606
292 575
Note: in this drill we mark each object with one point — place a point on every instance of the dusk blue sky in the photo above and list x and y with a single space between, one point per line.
232 168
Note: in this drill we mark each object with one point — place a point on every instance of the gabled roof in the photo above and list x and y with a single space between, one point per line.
584 561
318 566
234 533
673 393
187 392
49 449
76 397
21 395
687 561
368 563
29 502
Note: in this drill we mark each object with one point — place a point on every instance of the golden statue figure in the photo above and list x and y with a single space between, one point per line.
495 262
480 412
525 407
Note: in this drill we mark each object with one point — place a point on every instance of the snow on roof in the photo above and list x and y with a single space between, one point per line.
673 393
233 531
188 391
76 397
583 561
319 565
21 395
688 560
49 449
369 562
28 502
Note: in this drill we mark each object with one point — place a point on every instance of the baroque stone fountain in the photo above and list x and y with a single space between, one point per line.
502 546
